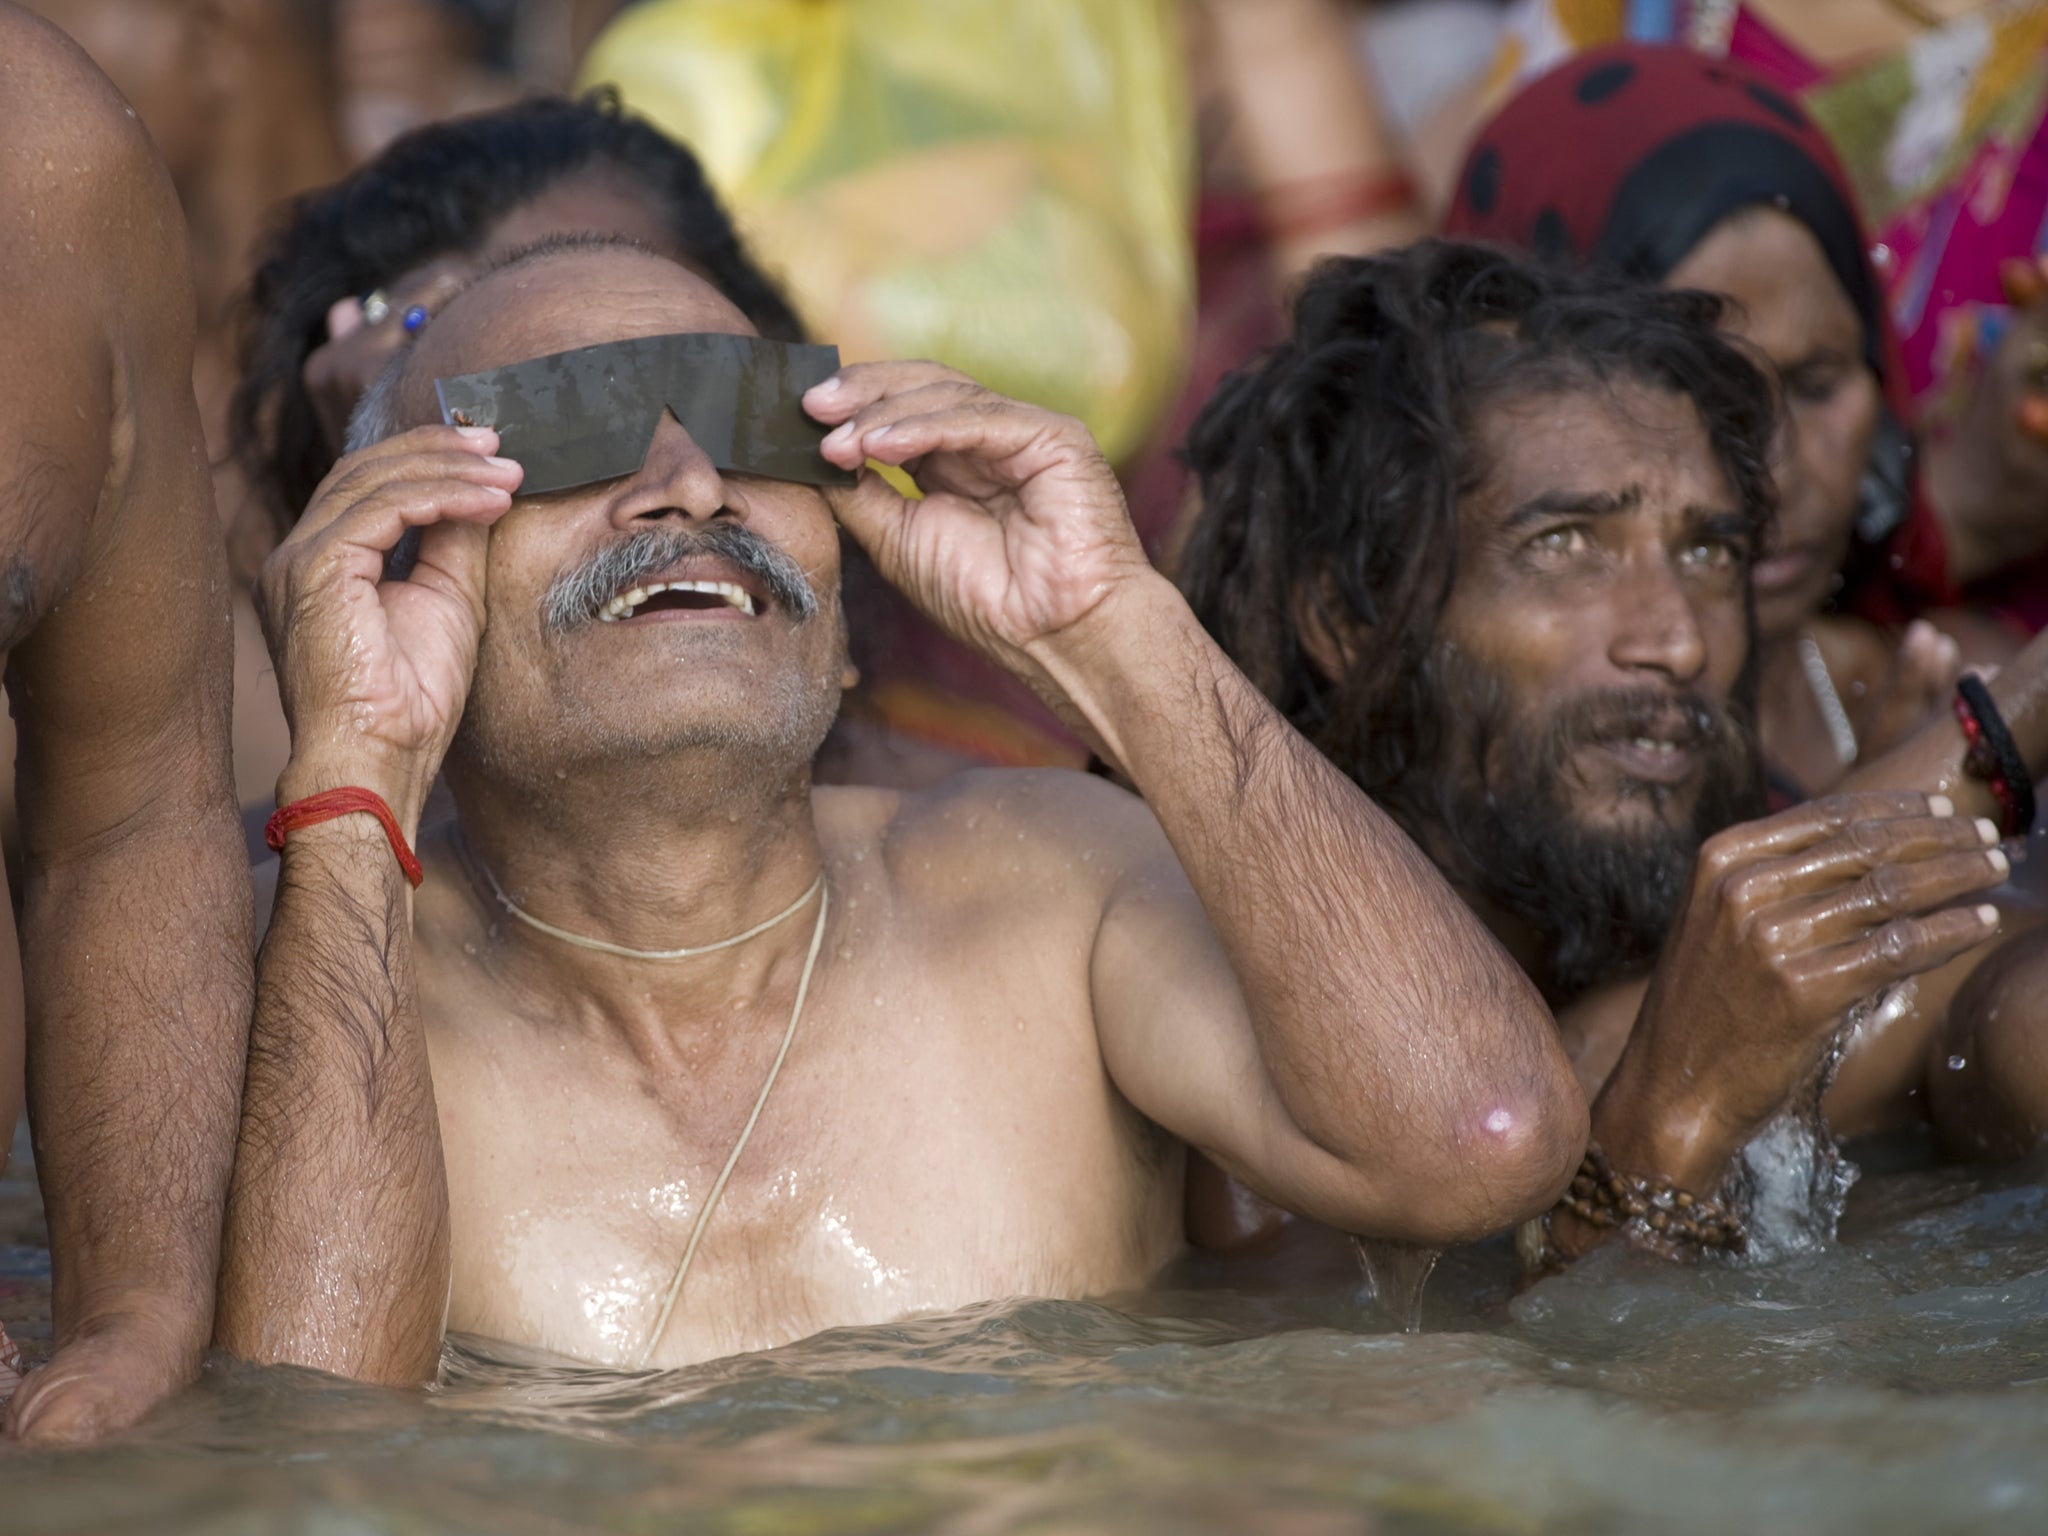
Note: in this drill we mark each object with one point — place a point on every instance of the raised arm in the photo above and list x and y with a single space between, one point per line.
1327 1018
135 910
336 1253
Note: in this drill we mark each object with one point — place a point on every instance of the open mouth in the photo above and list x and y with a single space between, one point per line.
1654 759
679 596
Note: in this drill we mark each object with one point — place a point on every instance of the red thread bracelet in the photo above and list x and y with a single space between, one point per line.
329 804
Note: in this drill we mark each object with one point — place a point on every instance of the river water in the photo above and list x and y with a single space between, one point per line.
1897 1381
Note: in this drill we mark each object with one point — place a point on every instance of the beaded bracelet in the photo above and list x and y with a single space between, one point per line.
1601 1195
1993 757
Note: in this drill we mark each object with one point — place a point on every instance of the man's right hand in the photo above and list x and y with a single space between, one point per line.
1790 921
374 673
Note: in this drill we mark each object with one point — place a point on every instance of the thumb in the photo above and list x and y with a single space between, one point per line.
874 510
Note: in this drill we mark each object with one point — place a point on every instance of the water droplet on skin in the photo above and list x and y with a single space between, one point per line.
1957 1063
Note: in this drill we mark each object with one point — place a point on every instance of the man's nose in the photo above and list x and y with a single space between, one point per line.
1656 629
676 478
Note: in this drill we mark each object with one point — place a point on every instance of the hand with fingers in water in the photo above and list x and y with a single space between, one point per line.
1789 922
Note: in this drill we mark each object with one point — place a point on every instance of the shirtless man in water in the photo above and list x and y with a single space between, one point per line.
1531 639
114 622
1029 987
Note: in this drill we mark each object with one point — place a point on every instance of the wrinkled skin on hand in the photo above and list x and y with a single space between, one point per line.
1022 533
1789 922
375 668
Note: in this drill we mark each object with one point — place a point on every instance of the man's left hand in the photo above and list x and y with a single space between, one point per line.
1022 534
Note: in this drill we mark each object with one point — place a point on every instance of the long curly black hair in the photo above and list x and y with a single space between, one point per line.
1332 466
434 192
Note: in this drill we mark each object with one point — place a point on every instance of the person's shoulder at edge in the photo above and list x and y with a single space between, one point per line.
69 132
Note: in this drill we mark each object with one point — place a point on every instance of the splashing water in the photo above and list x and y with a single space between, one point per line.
1398 1274
1792 1179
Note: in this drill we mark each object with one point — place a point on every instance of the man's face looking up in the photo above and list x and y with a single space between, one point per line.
1591 652
575 668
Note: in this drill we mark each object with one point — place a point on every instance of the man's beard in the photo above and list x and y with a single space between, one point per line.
1599 898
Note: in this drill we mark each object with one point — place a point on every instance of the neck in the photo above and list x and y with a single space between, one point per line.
646 870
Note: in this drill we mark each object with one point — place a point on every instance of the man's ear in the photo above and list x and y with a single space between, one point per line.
1333 645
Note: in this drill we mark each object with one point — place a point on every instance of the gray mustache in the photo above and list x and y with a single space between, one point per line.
578 596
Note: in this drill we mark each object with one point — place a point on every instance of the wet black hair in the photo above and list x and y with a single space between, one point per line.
437 191
1331 469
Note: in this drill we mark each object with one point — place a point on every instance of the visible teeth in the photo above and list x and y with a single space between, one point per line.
734 596
623 605
1647 745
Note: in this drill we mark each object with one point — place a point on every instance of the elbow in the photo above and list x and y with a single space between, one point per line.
1520 1154
1501 1157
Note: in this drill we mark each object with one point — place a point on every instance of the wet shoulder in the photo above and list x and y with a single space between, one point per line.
75 160
1010 829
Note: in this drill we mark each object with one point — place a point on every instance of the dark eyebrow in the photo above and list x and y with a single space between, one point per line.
1573 504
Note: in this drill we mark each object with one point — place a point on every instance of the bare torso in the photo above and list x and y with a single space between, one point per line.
944 1129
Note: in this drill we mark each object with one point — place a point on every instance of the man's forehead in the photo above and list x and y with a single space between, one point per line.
576 299
1625 439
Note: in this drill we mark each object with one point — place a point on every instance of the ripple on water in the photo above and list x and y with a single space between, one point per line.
1897 1380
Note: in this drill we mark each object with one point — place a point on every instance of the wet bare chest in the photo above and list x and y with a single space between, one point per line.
929 1143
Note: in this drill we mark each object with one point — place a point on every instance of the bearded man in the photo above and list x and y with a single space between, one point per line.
677 1056
1483 533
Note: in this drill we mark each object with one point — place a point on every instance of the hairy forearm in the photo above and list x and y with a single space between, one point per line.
1398 1034
336 1251
136 970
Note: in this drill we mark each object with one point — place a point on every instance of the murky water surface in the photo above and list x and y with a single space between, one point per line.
1896 1382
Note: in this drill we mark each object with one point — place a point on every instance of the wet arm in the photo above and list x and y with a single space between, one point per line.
135 919
1328 1020
336 1252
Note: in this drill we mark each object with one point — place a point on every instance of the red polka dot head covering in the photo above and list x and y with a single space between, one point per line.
1626 157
